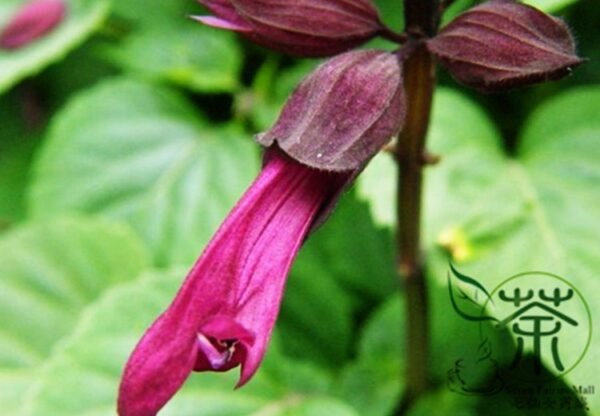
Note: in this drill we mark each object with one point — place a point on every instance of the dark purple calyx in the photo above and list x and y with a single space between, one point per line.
311 28
343 113
503 44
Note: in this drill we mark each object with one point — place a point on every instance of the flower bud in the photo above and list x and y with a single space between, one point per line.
343 113
302 27
503 44
31 22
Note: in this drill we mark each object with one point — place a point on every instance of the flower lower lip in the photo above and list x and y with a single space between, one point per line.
217 353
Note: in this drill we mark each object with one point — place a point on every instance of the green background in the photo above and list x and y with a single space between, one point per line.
125 139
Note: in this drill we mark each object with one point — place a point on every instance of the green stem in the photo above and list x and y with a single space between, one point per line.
422 17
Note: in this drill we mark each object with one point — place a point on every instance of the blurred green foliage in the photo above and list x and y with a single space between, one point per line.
126 137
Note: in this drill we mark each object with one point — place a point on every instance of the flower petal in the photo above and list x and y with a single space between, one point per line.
226 16
223 344
219 23
224 312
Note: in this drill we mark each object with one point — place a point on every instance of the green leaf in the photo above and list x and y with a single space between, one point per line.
49 273
270 90
392 13
14 162
164 44
375 185
83 17
187 54
383 338
16 150
558 402
477 197
357 251
57 84
556 179
341 274
320 406
129 11
550 6
471 157
373 383
448 402
141 154
81 378
456 8
537 211
383 334
322 331
373 386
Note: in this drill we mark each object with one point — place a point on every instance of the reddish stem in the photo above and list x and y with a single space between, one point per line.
422 17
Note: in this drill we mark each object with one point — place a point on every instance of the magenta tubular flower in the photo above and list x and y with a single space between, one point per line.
34 20
224 313
300 27
222 317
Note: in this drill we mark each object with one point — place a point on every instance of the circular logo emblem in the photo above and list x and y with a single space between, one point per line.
548 321
533 328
